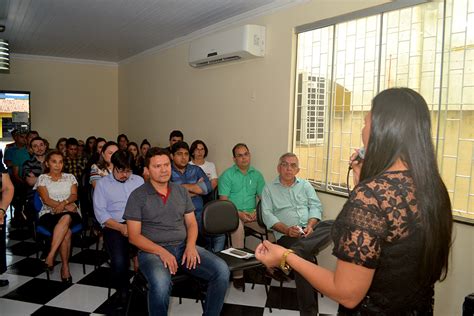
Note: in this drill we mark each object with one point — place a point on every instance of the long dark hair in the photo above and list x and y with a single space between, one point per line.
102 164
401 128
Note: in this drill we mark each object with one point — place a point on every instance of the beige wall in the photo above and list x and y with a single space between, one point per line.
236 102
67 99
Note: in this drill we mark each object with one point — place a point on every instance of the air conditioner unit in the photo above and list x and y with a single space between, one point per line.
244 42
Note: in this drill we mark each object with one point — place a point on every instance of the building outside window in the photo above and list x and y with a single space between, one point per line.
341 66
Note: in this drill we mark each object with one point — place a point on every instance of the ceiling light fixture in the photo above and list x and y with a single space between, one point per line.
4 56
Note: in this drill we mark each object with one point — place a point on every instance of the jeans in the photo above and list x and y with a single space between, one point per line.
308 248
117 247
212 269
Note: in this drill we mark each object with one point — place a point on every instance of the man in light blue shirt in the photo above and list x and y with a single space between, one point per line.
291 208
110 198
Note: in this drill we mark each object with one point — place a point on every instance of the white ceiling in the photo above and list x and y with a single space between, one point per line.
114 30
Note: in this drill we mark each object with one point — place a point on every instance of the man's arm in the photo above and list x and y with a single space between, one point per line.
191 256
102 215
136 238
314 208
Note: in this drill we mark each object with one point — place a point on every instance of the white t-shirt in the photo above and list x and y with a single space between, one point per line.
57 190
209 169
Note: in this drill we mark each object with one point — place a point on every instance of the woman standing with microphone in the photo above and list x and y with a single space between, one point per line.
393 235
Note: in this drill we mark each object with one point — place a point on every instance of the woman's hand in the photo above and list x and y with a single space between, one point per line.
59 208
356 166
269 254
71 207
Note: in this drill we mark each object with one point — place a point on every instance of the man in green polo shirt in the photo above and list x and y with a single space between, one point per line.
242 184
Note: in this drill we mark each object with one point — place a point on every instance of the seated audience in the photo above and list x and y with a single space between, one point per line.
110 198
161 223
58 192
61 145
195 181
32 169
137 167
19 155
175 136
80 149
122 141
6 196
73 164
242 184
393 235
29 136
89 147
291 208
199 153
104 166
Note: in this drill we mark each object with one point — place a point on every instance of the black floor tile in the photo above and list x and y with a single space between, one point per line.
286 299
53 311
23 248
20 234
37 291
29 266
90 256
109 307
241 310
100 277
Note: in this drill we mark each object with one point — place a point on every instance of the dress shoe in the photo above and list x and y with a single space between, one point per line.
4 283
239 283
67 280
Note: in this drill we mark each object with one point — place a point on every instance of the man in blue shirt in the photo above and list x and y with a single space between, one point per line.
291 208
196 182
110 198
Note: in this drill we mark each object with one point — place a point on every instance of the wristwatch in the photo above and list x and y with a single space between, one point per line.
285 267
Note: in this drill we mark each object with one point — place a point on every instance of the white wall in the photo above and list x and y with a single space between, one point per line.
67 99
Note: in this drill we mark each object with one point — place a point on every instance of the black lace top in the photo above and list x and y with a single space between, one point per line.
377 229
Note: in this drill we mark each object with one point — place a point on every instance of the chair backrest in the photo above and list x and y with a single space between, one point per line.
219 217
260 215
37 203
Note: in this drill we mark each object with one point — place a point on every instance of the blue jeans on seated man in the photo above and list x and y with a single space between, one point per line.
212 269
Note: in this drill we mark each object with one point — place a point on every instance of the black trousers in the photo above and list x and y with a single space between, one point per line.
307 248
118 247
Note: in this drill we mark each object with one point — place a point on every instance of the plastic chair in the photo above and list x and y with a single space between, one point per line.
39 229
221 217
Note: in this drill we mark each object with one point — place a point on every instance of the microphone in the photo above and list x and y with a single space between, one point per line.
360 156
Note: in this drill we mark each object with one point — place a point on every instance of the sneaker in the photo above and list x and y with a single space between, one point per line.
239 283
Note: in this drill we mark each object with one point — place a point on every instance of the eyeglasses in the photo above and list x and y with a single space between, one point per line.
285 164
246 154
123 171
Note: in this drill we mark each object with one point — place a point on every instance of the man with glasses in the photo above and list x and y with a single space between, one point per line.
110 197
291 208
242 184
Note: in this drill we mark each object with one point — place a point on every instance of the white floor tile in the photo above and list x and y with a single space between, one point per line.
17 308
280 312
290 284
15 281
188 307
11 259
255 297
80 297
326 305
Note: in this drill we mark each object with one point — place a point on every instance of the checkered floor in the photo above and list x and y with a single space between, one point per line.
30 293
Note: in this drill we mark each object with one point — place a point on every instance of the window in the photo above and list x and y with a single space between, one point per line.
342 65
14 114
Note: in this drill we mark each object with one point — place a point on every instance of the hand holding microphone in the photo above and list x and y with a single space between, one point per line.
355 163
